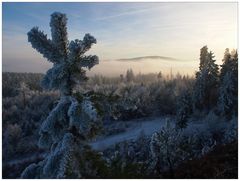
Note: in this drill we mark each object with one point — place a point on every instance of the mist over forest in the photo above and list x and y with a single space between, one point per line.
159 124
139 103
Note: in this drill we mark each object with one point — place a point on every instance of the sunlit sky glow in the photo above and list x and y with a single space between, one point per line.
125 30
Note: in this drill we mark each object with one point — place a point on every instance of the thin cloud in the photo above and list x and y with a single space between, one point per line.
135 59
131 12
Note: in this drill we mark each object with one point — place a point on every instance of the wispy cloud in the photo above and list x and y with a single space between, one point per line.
125 32
135 59
129 12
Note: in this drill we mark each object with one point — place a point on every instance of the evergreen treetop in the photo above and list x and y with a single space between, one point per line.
68 58
73 121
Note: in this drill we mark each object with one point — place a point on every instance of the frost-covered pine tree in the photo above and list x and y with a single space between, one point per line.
24 90
164 147
228 91
230 63
199 91
227 98
201 76
71 123
213 70
184 109
130 75
212 81
226 66
207 80
203 57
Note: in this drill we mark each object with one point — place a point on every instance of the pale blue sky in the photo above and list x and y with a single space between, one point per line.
124 30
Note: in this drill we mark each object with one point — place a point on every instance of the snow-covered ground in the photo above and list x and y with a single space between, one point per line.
146 125
134 129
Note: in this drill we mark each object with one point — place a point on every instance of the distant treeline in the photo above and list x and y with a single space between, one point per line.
12 81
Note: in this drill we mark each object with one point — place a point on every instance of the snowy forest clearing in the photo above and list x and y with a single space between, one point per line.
146 125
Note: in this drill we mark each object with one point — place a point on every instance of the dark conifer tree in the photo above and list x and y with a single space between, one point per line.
184 109
206 85
228 91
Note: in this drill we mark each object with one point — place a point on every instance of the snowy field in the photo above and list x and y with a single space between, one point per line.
146 125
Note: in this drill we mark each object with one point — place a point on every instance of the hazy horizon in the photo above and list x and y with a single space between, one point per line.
147 37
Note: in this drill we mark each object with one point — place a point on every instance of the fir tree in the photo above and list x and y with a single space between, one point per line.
199 92
203 57
224 67
227 98
184 109
23 89
159 75
207 81
230 64
213 70
71 123
212 82
228 91
129 75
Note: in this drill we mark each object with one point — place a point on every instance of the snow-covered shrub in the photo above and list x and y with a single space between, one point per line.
203 143
28 119
164 147
171 146
214 126
218 129
166 98
184 109
142 150
92 164
135 101
129 159
11 137
213 130
70 124
231 131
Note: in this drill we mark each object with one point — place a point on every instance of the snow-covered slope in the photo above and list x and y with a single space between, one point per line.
147 125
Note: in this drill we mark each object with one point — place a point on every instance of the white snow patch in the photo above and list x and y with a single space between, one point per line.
148 125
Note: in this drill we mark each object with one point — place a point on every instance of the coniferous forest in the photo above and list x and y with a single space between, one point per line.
65 124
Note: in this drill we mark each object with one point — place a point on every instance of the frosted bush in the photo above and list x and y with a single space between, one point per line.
231 131
214 124
165 148
171 146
